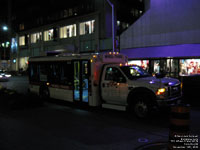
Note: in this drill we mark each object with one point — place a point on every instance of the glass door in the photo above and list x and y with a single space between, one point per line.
76 81
84 78
81 77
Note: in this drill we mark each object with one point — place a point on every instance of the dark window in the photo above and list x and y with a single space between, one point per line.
34 72
114 74
26 39
43 71
53 72
66 73
55 33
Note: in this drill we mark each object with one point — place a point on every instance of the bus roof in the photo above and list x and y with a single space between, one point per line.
58 57
104 57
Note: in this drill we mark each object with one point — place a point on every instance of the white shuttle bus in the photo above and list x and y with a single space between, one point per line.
101 80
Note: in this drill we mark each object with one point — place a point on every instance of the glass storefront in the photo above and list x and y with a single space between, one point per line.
167 66
156 66
170 67
189 67
143 63
174 72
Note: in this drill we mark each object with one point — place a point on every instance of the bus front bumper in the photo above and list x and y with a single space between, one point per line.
167 102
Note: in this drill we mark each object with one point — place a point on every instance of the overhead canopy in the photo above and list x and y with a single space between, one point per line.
184 50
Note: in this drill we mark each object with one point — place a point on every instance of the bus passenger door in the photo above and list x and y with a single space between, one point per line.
81 80
85 80
76 93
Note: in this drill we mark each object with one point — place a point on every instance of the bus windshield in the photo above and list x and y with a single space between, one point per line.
133 72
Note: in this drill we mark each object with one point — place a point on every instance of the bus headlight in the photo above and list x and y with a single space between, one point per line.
161 91
181 85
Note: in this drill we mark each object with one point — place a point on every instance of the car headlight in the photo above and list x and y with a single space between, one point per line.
161 91
1 76
8 75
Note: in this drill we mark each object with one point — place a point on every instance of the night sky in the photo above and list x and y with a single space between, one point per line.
22 11
20 6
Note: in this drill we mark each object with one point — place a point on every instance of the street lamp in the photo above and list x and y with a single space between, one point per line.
113 24
5 28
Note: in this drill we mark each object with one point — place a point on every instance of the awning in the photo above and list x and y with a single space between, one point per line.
171 51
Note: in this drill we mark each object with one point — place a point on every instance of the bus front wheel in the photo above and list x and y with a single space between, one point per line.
141 106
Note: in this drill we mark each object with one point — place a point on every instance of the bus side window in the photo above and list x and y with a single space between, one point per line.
109 74
34 72
66 75
54 73
57 73
114 74
43 72
63 76
50 73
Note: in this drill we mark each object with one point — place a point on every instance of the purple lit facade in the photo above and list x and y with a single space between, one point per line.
170 51
168 35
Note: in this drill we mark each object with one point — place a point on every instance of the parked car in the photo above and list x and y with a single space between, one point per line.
4 76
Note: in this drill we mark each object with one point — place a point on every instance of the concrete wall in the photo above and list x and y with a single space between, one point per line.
167 22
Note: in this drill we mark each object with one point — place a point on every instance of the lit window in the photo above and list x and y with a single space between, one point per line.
21 40
36 37
87 27
189 67
48 35
68 31
142 63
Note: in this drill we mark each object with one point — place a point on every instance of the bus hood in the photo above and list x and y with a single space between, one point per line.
166 81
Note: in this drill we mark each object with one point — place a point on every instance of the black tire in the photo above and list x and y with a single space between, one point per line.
141 105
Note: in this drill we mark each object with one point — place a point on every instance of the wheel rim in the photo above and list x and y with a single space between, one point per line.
141 109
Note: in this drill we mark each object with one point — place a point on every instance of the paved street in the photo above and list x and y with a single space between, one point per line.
28 124
17 83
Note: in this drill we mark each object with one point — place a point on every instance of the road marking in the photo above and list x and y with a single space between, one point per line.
143 140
